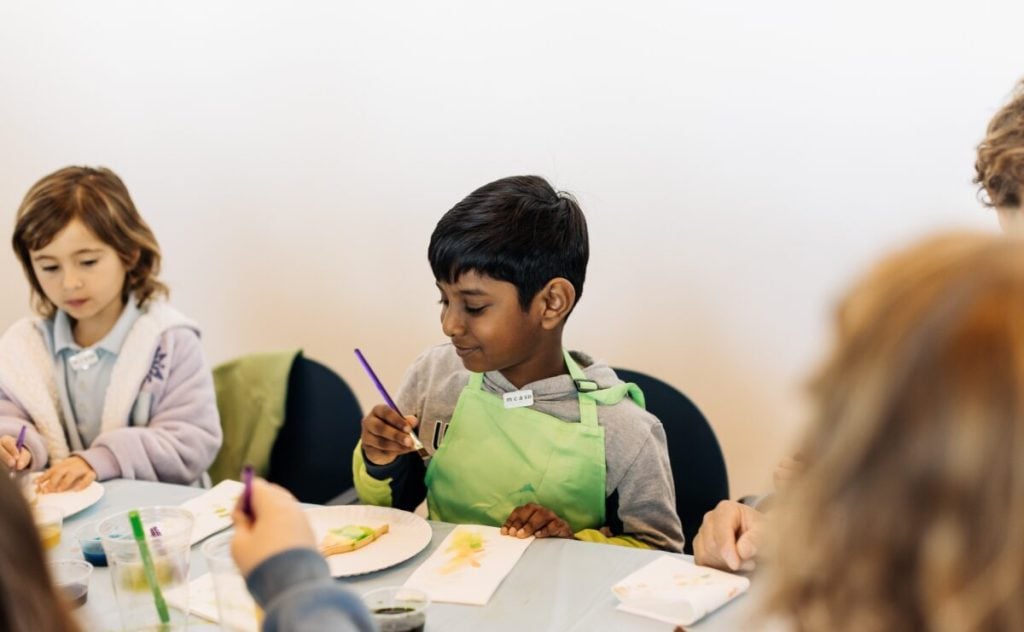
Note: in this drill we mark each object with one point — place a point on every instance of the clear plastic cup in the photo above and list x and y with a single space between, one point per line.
398 609
168 531
235 606
72 578
49 523
88 536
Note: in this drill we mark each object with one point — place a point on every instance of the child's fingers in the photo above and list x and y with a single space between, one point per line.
390 435
515 519
84 481
8 451
69 481
53 482
542 520
24 459
238 517
387 439
557 528
391 418
525 525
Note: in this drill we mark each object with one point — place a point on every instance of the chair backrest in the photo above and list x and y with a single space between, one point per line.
312 456
698 466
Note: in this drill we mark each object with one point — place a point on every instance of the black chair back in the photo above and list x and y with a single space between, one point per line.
312 456
698 466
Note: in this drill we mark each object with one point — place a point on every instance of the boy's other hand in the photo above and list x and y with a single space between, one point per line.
72 474
279 524
385 435
536 520
11 456
729 537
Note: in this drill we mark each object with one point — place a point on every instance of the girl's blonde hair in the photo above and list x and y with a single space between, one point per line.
999 168
98 198
910 515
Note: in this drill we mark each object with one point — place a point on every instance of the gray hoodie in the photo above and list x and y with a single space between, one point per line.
640 495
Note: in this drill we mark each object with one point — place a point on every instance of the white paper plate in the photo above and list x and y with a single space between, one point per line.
71 502
407 535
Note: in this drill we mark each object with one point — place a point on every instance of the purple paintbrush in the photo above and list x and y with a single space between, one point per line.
20 443
416 443
247 492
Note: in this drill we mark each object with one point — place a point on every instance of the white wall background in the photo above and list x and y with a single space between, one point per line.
738 163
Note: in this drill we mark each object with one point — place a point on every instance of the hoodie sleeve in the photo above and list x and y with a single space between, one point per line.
647 499
183 434
297 592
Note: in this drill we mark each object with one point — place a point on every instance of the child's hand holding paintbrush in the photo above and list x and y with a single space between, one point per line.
387 434
271 521
13 451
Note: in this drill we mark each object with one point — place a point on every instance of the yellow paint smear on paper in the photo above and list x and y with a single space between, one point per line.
466 548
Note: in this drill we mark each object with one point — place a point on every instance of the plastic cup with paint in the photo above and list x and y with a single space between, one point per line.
398 609
168 531
49 523
88 536
72 578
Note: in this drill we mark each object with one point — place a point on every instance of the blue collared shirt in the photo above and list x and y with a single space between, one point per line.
84 389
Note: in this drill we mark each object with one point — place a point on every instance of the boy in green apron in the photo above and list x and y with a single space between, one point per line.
520 433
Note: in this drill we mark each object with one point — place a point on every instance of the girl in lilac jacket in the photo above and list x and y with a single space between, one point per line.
111 382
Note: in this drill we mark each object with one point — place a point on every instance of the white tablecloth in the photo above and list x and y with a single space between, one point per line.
558 585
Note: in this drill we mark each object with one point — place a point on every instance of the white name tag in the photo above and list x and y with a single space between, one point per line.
518 399
83 360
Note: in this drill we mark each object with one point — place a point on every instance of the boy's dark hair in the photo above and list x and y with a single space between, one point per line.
517 229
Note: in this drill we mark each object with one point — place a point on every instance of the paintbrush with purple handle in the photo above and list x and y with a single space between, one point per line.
247 492
19 445
416 443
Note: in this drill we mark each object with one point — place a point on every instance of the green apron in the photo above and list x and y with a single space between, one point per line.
493 459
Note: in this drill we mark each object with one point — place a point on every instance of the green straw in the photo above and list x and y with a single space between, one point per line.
147 566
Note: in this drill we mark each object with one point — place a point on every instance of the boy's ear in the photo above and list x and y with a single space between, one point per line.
557 299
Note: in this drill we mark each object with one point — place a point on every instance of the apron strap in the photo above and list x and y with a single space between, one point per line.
476 381
590 395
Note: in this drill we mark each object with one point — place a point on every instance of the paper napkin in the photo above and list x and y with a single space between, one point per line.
469 565
676 591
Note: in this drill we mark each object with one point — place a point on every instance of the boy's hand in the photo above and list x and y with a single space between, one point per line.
11 456
536 520
729 537
385 435
72 474
279 524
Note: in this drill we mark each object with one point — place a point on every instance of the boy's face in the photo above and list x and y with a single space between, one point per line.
487 325
81 274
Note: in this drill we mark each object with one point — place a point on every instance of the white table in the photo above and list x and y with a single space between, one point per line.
558 585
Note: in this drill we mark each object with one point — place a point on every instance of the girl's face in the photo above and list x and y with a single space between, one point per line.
81 275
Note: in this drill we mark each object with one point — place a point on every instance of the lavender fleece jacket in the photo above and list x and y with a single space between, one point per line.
159 419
